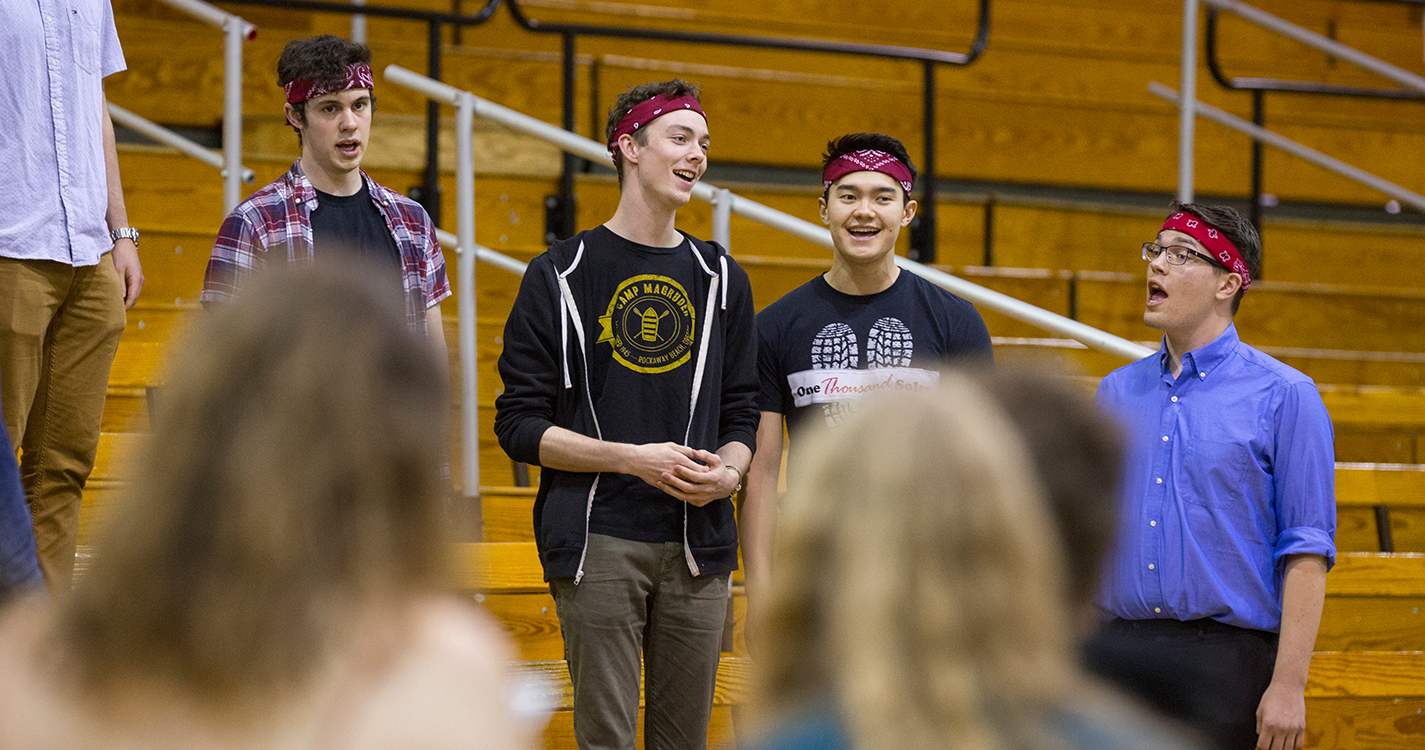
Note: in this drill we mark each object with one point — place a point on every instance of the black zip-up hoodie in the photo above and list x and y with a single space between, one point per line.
662 329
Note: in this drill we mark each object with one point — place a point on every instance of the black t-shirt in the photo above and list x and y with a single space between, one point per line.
351 225
820 350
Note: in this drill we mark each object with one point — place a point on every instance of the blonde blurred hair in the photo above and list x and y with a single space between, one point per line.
292 479
917 583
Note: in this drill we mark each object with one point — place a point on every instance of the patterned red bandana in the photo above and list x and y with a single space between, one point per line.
358 76
649 110
869 160
1212 240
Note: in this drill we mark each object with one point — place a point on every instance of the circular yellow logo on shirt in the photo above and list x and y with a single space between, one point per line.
650 324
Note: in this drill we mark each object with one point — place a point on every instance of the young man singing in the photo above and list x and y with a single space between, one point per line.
325 209
1216 586
629 375
861 326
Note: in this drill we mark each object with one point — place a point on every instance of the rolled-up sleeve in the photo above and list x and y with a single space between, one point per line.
1305 471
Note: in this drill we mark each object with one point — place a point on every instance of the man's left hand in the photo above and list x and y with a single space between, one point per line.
702 486
1281 718
126 261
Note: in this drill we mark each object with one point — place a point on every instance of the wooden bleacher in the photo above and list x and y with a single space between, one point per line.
1059 99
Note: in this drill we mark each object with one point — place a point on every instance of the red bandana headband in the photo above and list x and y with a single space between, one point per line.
358 76
1212 240
649 110
869 160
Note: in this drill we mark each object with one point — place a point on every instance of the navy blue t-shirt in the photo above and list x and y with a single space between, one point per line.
819 350
347 225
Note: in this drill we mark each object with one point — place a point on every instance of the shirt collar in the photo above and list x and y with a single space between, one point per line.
1203 360
306 195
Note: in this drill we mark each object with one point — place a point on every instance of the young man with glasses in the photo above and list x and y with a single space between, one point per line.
1216 586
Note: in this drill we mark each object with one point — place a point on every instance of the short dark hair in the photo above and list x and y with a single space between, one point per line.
1078 454
853 142
323 59
1240 232
635 96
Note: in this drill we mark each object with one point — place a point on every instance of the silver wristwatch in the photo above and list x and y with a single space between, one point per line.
125 233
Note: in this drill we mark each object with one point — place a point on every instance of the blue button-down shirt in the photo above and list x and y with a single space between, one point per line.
1231 468
54 190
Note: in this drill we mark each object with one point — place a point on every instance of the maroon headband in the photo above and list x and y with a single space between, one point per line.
649 110
1213 240
869 160
358 76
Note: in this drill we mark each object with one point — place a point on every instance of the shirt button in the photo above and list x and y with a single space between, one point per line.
299 200
1157 610
1202 375
1175 399
1165 438
1152 523
1160 480
1151 566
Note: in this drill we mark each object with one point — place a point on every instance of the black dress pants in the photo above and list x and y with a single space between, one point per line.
1203 673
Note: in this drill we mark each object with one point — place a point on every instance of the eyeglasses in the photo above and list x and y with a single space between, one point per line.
1177 254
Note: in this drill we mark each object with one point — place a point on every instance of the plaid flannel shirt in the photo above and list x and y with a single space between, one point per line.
278 219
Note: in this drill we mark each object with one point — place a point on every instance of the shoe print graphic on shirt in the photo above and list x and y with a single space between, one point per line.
889 344
836 380
834 348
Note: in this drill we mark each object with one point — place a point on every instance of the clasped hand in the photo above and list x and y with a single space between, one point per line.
691 475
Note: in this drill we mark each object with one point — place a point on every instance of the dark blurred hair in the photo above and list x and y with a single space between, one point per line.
292 480
635 96
853 142
1237 230
1078 454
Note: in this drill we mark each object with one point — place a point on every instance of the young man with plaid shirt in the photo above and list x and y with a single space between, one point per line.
325 209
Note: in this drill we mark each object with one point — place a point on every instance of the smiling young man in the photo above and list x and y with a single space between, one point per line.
325 209
629 372
862 326
1216 586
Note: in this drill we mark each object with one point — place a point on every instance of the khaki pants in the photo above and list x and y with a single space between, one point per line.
637 599
59 329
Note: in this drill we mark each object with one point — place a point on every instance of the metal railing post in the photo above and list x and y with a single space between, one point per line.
722 218
1187 120
358 24
924 249
430 183
235 30
469 365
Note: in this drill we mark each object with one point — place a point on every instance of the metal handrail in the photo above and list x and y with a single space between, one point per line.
1312 39
923 231
771 217
1263 135
1258 87
493 257
924 226
213 16
235 32
468 105
153 130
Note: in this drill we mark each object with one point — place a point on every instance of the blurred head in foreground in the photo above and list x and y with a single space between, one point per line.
1078 454
290 486
918 585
